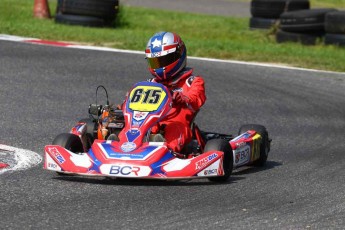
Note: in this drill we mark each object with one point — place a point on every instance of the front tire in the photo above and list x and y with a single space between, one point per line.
265 142
69 141
224 146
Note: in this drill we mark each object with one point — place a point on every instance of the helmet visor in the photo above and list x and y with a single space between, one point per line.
159 62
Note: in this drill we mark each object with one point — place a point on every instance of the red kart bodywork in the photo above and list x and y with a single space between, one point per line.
133 157
149 161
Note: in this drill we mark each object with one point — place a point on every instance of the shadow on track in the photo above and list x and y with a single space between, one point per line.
249 169
144 182
236 176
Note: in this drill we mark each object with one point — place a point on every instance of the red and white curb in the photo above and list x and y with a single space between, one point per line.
6 37
3 165
12 159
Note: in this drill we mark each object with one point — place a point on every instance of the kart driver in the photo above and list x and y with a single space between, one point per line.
166 55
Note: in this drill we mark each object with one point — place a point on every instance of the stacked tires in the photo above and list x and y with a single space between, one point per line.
265 13
93 13
305 26
335 28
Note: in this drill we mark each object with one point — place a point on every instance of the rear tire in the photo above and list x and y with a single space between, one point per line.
265 142
224 146
91 130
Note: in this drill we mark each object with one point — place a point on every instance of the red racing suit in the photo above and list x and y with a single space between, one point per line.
177 130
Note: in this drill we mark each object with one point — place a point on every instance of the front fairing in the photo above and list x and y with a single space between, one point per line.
151 161
146 104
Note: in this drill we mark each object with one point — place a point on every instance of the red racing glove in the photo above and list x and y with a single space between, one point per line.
180 99
155 128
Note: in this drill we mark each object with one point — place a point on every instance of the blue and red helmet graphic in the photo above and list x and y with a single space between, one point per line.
166 55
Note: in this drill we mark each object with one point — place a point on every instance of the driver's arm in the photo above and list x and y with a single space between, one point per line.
196 96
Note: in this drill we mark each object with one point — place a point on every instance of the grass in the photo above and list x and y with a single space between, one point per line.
338 4
205 36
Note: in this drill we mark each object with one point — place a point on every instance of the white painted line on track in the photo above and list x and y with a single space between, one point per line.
18 159
6 37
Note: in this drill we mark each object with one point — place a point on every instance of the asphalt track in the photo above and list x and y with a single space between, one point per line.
237 8
45 90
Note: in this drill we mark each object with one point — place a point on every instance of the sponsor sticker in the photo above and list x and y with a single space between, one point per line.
128 146
52 166
211 172
57 155
214 169
245 135
136 124
242 155
240 144
124 170
203 162
140 115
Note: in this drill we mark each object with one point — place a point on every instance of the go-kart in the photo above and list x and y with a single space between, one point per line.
119 143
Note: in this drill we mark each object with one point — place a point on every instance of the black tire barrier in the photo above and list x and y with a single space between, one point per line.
274 8
335 22
58 6
303 38
304 20
335 39
79 20
106 9
261 23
